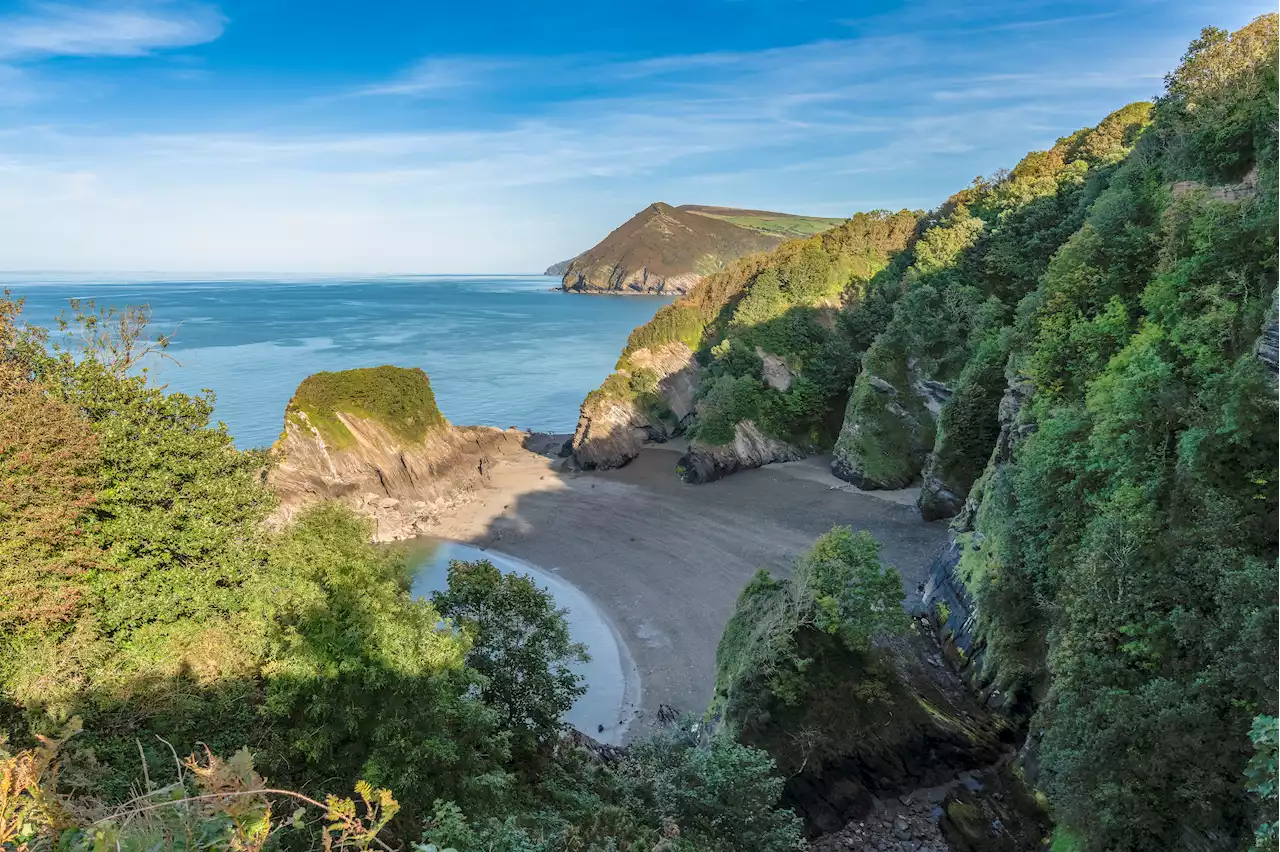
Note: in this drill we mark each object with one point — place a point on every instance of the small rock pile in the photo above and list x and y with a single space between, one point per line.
901 824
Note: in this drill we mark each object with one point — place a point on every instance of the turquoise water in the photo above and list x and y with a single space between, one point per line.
500 350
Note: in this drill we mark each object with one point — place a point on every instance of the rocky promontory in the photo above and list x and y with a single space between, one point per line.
374 439
667 250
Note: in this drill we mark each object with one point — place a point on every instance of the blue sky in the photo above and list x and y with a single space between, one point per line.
498 136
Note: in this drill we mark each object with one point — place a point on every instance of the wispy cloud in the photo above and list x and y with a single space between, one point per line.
111 29
544 150
437 75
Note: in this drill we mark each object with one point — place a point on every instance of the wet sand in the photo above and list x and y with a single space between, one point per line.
665 561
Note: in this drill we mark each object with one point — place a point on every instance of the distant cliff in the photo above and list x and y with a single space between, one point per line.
374 439
665 249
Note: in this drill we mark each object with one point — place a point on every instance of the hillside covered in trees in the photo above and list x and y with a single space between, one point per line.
1078 358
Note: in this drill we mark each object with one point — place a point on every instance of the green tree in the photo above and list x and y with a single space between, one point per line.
519 644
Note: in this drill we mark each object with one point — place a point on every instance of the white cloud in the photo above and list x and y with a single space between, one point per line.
110 29
435 76
846 124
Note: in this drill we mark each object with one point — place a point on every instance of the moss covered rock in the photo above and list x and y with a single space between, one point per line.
968 427
888 427
822 671
374 439
398 398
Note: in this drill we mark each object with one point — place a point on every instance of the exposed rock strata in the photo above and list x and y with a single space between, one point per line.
749 448
950 604
614 425
399 484
1229 193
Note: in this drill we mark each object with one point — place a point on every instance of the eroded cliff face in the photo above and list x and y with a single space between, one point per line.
617 420
399 484
620 279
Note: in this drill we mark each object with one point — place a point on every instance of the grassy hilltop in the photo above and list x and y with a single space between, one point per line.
669 249
399 398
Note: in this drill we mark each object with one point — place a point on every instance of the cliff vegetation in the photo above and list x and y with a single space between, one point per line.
1122 536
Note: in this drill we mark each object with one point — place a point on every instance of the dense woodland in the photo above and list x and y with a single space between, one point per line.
1120 283
1125 584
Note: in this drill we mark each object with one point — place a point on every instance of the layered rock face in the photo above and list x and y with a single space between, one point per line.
398 481
662 249
617 420
749 448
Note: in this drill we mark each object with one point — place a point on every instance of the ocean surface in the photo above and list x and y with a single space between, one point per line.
500 350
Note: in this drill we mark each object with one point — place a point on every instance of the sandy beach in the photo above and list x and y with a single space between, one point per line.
665 561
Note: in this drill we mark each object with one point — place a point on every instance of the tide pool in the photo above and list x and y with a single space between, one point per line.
500 350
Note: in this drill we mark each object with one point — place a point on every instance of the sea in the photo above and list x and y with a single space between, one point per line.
501 350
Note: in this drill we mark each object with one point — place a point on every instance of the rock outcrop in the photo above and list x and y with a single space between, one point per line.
950 603
1012 431
648 400
749 448
871 724
662 249
888 429
335 448
1230 193
847 717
